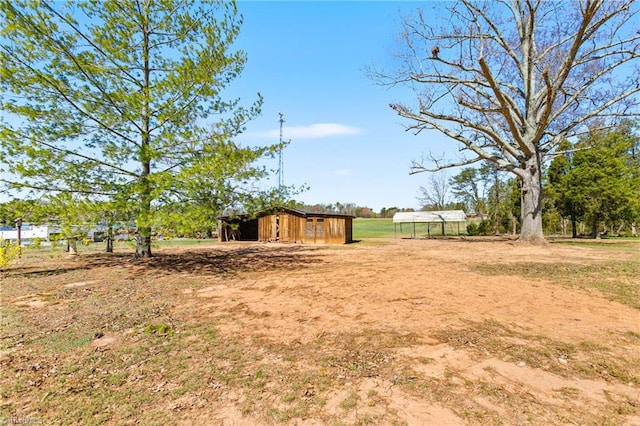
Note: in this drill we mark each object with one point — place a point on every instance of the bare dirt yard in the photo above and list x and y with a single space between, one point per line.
379 332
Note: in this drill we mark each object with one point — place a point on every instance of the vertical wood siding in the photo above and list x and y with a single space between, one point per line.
292 228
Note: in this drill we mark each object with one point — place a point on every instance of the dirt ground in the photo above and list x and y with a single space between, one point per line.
384 331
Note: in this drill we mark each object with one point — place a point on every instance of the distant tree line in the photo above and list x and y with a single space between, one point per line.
354 210
340 208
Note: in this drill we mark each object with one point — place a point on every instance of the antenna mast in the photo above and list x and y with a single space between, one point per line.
280 163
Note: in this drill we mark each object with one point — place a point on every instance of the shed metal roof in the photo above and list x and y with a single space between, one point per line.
299 212
307 213
430 217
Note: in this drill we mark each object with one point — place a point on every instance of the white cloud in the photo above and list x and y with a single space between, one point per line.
342 172
312 131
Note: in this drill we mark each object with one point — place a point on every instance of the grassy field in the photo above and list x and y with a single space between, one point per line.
364 228
385 228
372 228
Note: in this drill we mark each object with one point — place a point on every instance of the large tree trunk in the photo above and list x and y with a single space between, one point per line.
143 242
143 234
110 239
143 238
595 225
531 205
143 224
574 223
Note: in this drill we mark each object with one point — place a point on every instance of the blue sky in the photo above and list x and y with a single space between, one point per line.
307 59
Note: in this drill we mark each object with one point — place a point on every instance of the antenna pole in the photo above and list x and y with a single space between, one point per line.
280 163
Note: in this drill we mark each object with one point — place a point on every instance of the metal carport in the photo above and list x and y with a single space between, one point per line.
444 217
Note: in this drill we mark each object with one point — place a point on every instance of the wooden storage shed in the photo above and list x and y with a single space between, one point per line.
289 226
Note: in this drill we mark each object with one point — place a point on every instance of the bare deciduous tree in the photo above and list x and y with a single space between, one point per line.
436 194
510 80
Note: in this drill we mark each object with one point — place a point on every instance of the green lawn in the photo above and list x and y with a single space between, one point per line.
380 228
372 228
384 228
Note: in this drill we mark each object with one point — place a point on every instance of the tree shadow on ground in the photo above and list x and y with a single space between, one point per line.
30 272
199 261
213 261
485 238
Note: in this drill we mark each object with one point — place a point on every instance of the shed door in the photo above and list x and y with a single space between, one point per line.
274 234
319 230
309 234
314 230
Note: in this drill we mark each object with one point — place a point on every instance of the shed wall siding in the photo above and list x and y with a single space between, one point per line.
264 228
290 228
281 227
335 231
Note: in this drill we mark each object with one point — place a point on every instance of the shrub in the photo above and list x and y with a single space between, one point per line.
8 252
479 228
485 228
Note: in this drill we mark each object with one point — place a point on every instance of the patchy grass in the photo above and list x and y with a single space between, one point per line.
586 359
618 244
159 358
350 402
617 280
484 401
